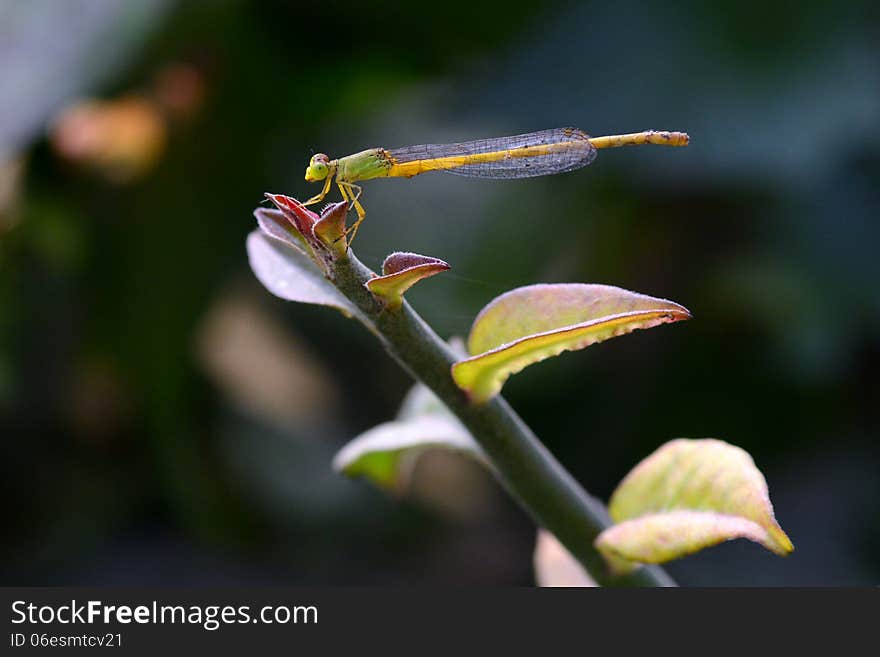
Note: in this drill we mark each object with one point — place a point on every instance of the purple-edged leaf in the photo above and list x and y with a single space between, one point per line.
688 495
387 453
274 224
401 271
287 272
554 565
533 323
298 214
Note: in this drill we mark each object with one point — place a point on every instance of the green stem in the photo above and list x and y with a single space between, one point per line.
527 469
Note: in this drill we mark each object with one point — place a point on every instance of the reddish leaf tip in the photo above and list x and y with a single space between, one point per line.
330 228
400 261
400 271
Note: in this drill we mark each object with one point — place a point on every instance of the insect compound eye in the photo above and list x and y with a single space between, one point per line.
318 168
316 171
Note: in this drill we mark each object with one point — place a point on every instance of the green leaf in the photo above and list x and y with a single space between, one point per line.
401 271
554 565
688 495
287 272
533 323
387 453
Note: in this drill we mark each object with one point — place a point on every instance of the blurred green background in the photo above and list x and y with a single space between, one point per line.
166 421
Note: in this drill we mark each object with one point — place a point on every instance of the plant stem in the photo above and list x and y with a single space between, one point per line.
526 468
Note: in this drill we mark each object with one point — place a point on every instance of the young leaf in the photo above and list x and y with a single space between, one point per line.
330 227
554 565
299 215
387 453
274 224
324 233
401 271
533 323
688 495
287 272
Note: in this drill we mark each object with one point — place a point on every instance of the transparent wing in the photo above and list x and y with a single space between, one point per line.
521 156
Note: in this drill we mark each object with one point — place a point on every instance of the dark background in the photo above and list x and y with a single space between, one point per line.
166 421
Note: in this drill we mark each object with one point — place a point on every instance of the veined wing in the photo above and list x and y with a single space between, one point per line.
521 156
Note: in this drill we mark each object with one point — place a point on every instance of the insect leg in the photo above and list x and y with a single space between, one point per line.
320 197
352 193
